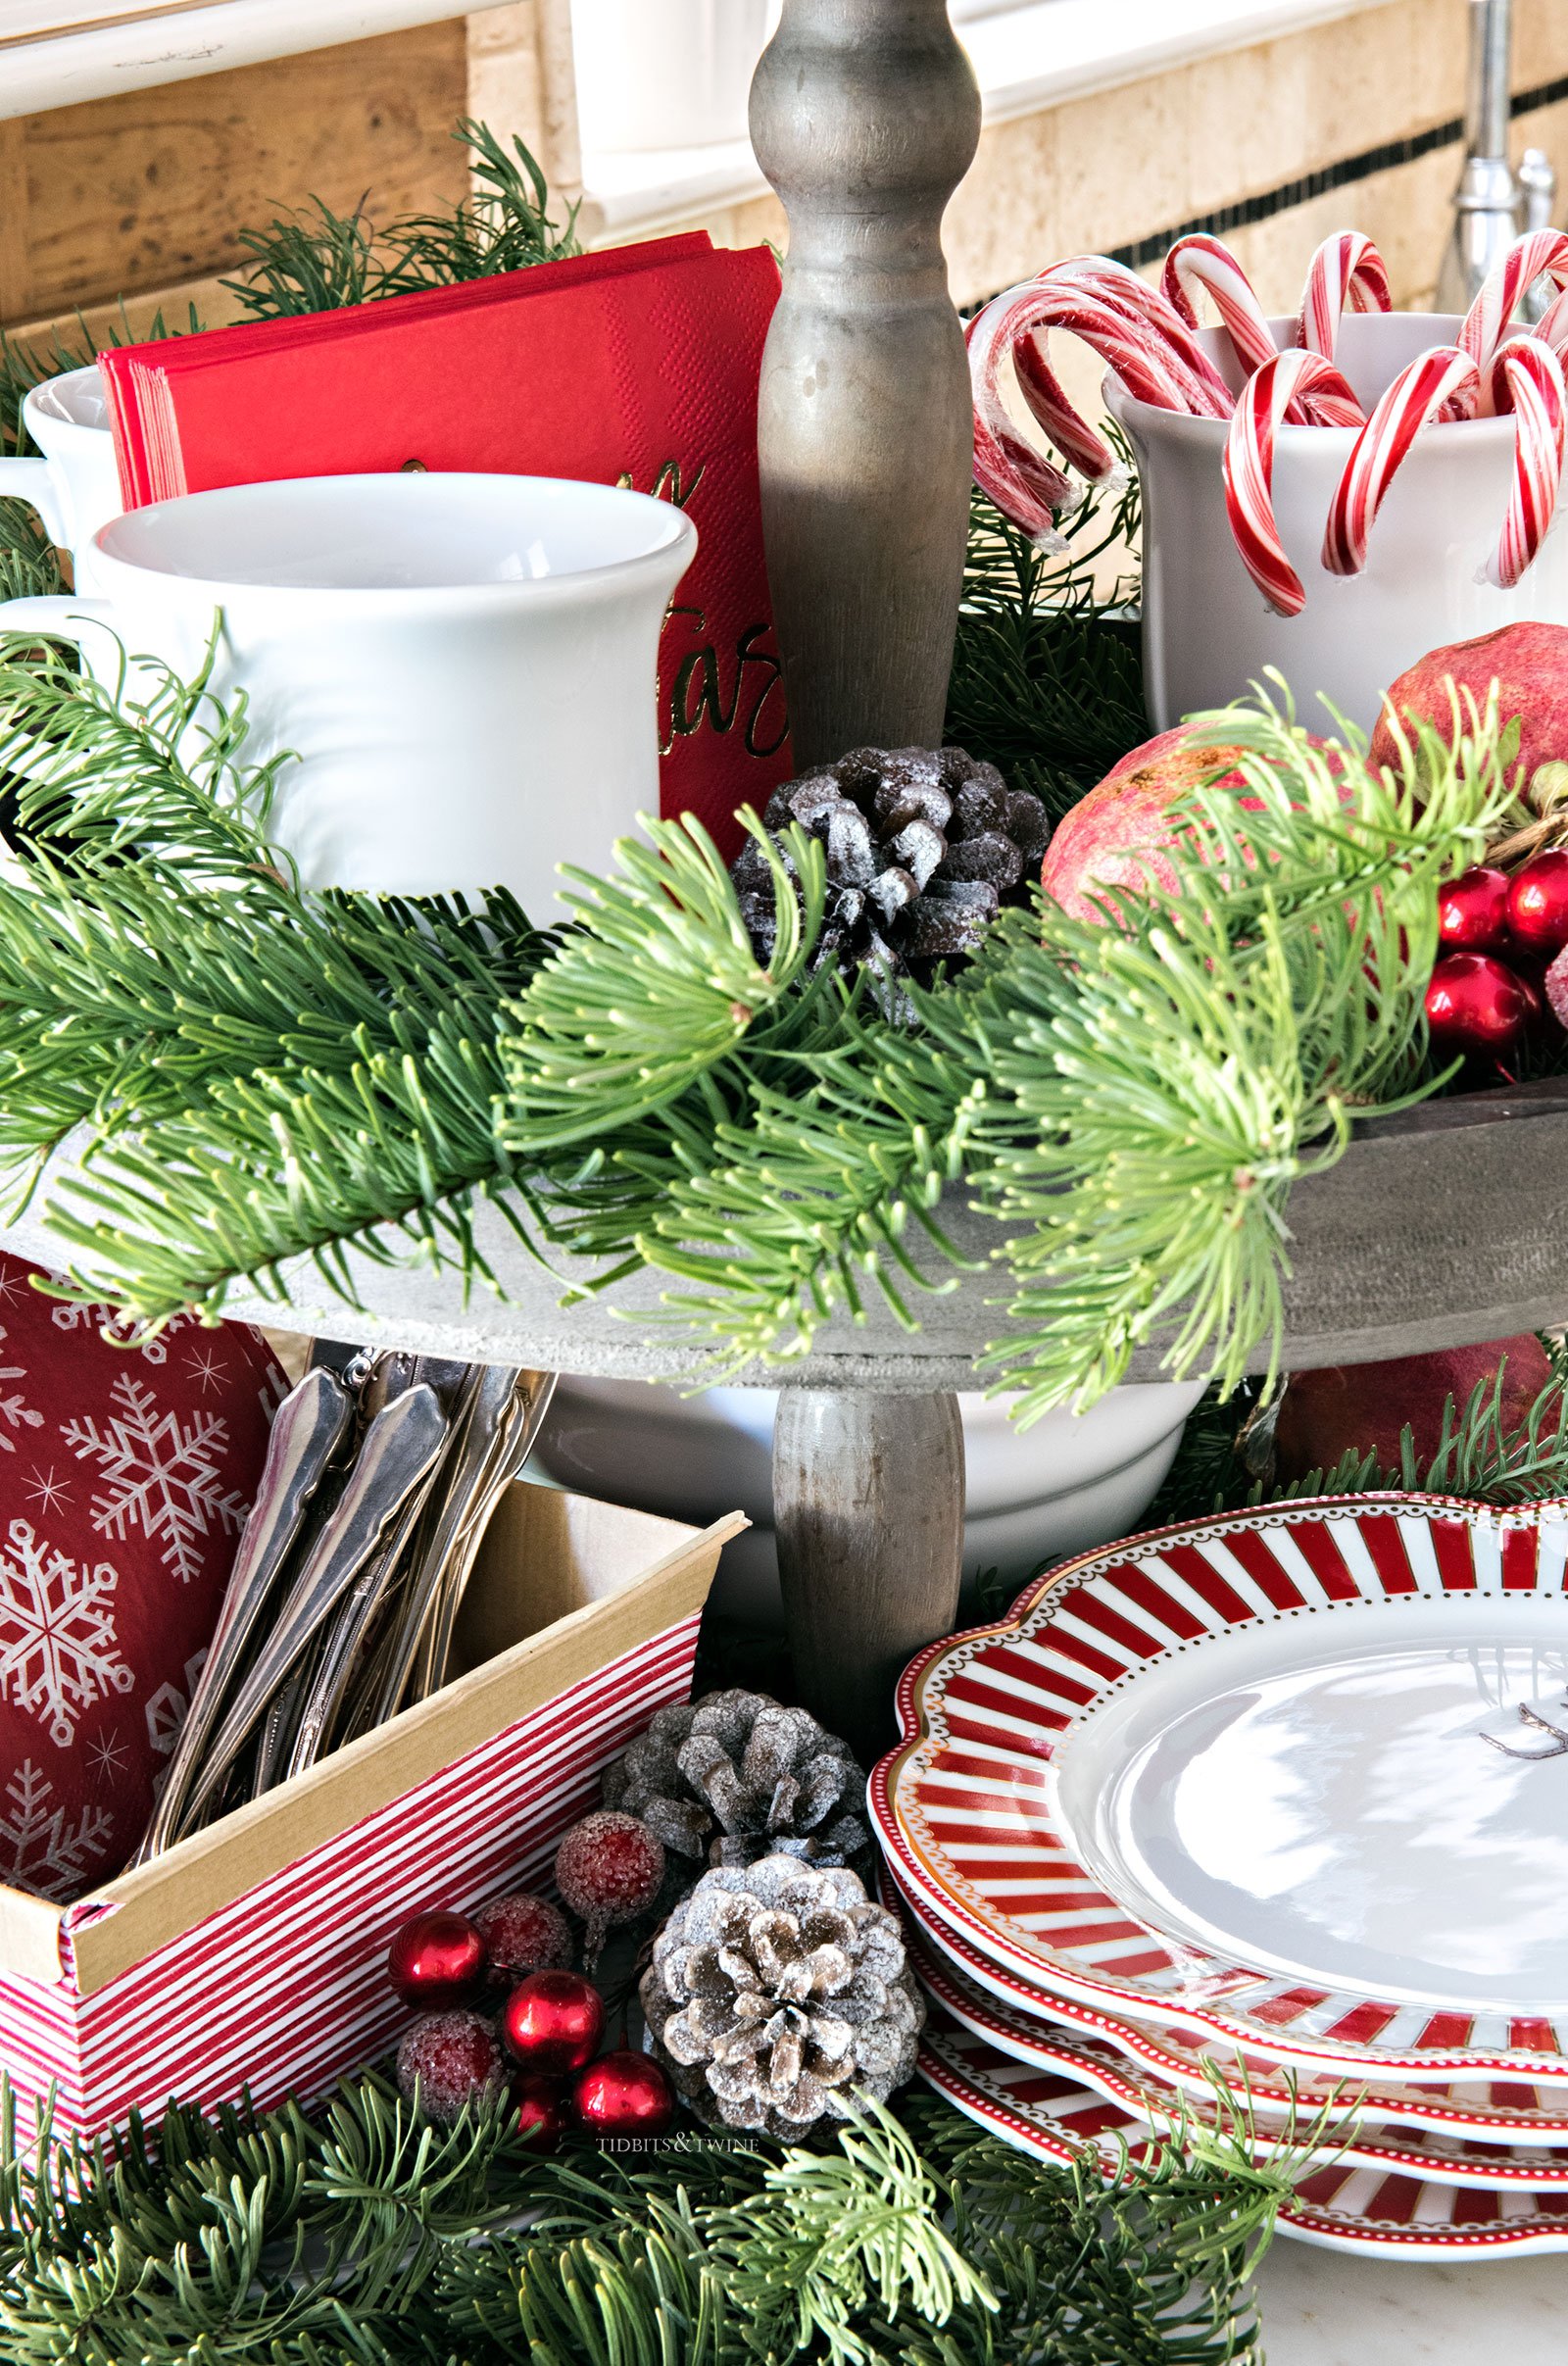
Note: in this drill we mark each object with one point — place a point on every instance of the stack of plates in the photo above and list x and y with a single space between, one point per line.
1233 1795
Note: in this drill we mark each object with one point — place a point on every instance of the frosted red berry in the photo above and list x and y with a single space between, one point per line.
1556 984
1538 902
608 1869
451 2061
624 2093
1473 910
523 1934
553 2022
542 2114
1477 1003
436 1961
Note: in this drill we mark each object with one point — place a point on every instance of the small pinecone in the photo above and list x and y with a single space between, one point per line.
737 1776
778 1993
924 845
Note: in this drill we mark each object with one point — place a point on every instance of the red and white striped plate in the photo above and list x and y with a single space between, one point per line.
1237 1777
1342 2207
1348 2136
1493 2112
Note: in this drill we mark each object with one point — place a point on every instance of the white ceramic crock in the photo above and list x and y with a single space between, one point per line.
464 667
74 487
1031 1495
1207 630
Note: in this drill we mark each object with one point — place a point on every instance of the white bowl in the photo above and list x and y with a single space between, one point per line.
1070 1481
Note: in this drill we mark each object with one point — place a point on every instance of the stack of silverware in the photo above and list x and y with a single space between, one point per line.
379 1482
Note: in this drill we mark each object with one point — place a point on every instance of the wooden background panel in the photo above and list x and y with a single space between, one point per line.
147 191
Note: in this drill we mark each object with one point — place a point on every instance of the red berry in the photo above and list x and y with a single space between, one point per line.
436 1961
608 1869
553 2022
624 2093
1473 910
452 2060
522 1935
1538 902
542 2119
1478 1003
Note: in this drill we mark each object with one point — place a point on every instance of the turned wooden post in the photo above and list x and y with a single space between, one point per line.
864 118
868 1505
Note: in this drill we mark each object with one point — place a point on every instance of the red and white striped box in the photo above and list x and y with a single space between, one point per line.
252 1956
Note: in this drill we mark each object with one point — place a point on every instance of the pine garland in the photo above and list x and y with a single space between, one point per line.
360 2234
263 1073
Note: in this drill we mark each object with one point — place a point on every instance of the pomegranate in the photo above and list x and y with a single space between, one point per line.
1364 1406
1529 663
1112 836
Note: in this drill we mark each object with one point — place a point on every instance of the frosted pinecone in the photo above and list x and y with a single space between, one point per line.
778 1994
737 1776
924 845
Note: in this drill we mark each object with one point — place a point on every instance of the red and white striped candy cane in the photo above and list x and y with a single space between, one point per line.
1347 269
1527 377
1023 485
1412 401
1115 284
1008 468
1487 324
1201 262
1264 403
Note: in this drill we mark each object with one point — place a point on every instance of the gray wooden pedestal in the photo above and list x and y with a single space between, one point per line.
864 118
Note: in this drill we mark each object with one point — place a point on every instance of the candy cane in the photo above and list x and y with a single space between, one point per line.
1113 284
1486 324
1347 269
1527 377
1263 405
1412 401
1201 262
1008 468
1022 483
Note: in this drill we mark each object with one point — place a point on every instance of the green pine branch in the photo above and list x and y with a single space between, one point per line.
362 2233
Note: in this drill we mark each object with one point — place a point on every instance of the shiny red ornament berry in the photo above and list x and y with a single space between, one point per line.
623 2094
436 1961
450 2060
1477 1003
542 2115
608 1869
1473 910
522 1935
1538 902
553 2022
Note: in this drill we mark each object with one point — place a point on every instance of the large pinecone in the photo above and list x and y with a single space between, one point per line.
737 1776
778 1993
924 845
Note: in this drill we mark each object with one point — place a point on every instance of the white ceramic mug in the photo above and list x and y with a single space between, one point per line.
1208 631
74 487
463 666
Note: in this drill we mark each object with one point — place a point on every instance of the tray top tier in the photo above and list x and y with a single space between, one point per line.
1439 1227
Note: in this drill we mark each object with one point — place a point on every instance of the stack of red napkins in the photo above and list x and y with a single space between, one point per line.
637 366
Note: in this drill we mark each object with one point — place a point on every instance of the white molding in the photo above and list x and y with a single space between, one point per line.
57 53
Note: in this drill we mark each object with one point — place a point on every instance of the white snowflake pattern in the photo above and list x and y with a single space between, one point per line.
111 1323
57 1633
167 1707
206 1365
48 1493
162 1476
38 1848
12 1409
108 1757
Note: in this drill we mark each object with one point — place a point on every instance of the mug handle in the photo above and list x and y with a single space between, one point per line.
33 480
54 616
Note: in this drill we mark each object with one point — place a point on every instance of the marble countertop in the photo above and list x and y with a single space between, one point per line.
1324 2308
